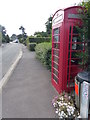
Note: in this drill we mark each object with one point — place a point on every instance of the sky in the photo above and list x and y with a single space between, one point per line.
31 14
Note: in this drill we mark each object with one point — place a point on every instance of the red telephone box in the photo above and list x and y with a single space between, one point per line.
65 46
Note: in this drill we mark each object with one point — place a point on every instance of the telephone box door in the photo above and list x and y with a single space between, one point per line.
76 49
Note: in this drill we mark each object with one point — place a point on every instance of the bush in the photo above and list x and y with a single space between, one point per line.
32 46
43 52
20 40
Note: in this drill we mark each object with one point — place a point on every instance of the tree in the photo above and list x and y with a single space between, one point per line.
24 35
49 25
3 33
7 38
41 34
4 37
13 37
23 29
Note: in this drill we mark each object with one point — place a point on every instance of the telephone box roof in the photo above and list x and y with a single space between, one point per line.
65 9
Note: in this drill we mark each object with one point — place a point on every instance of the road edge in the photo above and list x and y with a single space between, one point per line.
4 80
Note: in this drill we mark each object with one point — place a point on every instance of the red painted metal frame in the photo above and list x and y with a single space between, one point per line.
64 27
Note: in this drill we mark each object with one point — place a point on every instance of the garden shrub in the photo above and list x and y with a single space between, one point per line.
43 53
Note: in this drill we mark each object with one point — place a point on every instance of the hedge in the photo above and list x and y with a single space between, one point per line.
32 46
43 53
39 39
32 41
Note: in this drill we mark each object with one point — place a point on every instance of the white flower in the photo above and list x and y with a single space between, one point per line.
69 103
61 117
62 112
65 104
69 97
61 98
56 112
72 112
79 116
59 114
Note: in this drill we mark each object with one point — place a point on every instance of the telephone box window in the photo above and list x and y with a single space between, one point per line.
55 66
75 30
74 46
56 59
56 45
56 35
55 72
55 78
55 52
56 38
56 31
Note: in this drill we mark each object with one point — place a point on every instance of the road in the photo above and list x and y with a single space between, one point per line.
8 53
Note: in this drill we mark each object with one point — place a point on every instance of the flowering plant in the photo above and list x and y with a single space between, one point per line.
64 105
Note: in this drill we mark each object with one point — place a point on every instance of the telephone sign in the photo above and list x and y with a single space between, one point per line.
59 16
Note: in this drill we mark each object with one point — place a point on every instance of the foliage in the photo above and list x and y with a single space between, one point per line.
7 38
32 46
4 36
38 39
0 38
27 42
13 37
19 36
3 32
22 36
24 42
49 26
41 34
86 26
48 58
20 40
43 52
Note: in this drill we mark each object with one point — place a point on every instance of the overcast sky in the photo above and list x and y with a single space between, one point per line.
32 14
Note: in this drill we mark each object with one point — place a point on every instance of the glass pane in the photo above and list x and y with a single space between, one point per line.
55 72
56 31
56 59
56 45
56 38
77 55
75 30
55 66
56 53
56 79
70 34
75 45
76 61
